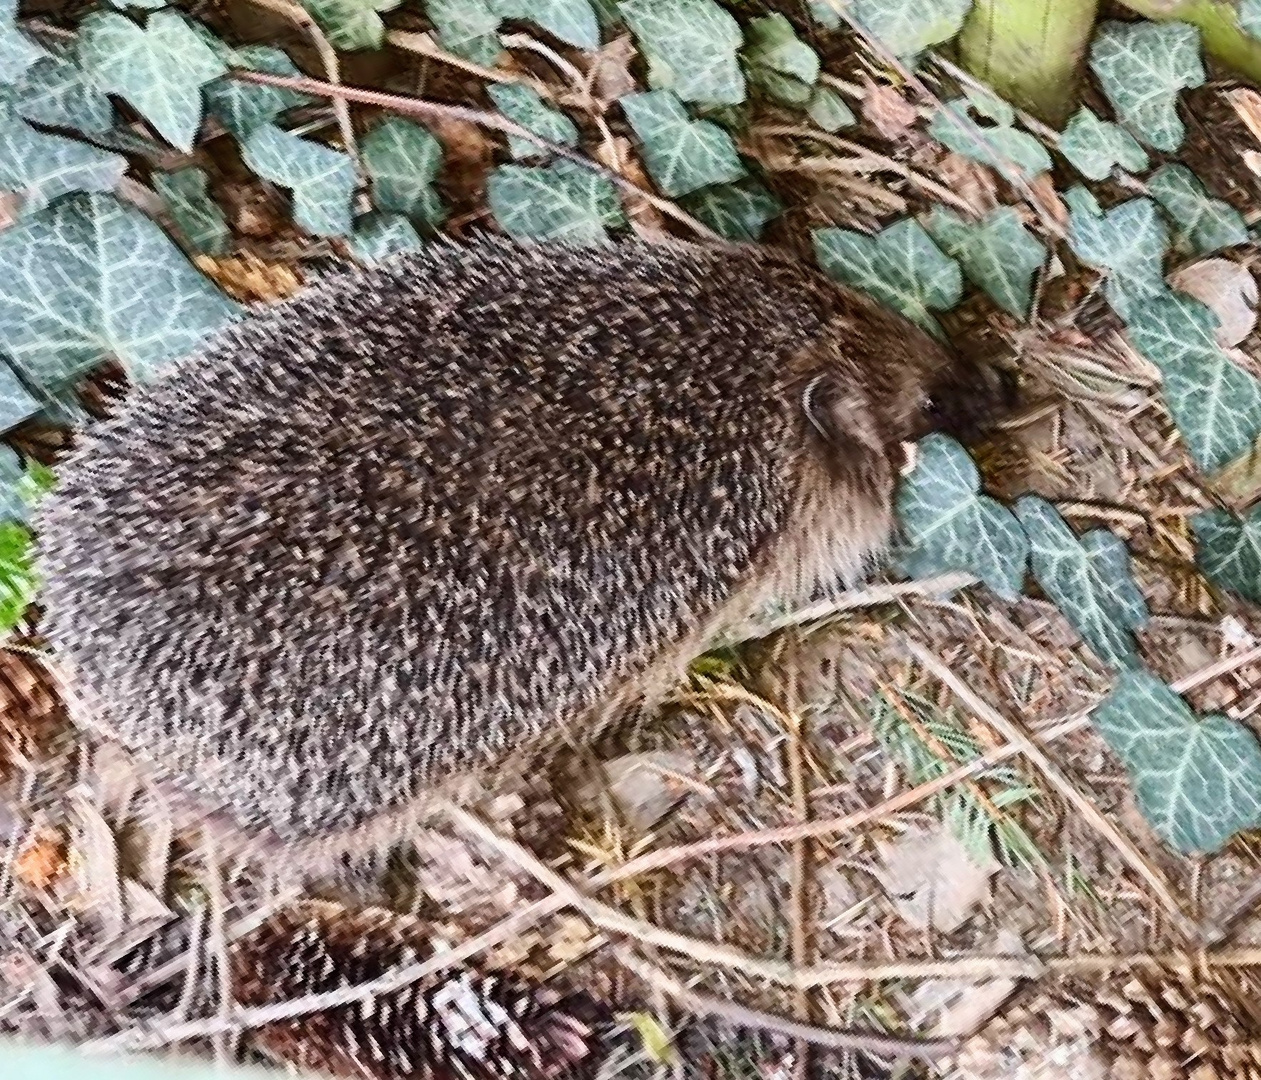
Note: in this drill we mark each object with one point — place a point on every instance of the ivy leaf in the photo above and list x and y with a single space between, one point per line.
948 525
15 496
1228 550
43 167
57 92
828 109
524 105
1094 146
907 27
1201 223
681 154
827 13
196 214
1197 780
780 62
16 402
351 24
1088 580
900 266
573 21
691 46
17 51
321 179
379 235
1128 243
1141 66
159 70
999 146
403 159
467 28
1249 16
561 201
737 211
1215 403
18 580
241 107
997 253
89 278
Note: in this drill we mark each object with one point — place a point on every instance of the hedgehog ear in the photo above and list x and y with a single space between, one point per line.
839 417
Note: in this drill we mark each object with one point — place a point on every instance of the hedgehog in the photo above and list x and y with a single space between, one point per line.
477 499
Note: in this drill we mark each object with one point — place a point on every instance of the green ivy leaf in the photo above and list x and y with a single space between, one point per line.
998 253
1141 67
907 27
560 201
158 70
828 109
321 179
241 107
403 160
1088 580
18 580
691 46
15 493
379 235
1197 780
1228 550
1249 15
467 28
57 92
573 21
17 51
737 211
827 13
1094 147
1127 243
999 146
89 278
196 214
525 106
681 154
43 167
900 266
351 24
780 62
1215 403
1202 224
948 525
16 402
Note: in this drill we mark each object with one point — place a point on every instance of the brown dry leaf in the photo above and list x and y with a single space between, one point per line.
1228 289
1042 190
971 181
933 880
467 155
1247 103
43 861
887 110
610 70
644 786
248 279
647 221
959 1008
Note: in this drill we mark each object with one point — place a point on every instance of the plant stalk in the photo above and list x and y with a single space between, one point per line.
1029 51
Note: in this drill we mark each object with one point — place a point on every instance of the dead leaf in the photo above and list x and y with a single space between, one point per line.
467 155
43 861
619 155
958 1008
97 859
610 70
933 880
1247 104
1042 190
248 279
1228 289
887 110
644 786
971 181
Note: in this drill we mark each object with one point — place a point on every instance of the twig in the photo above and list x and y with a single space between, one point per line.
1017 737
300 17
800 943
699 1004
423 45
411 106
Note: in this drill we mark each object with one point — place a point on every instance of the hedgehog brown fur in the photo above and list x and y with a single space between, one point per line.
387 531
